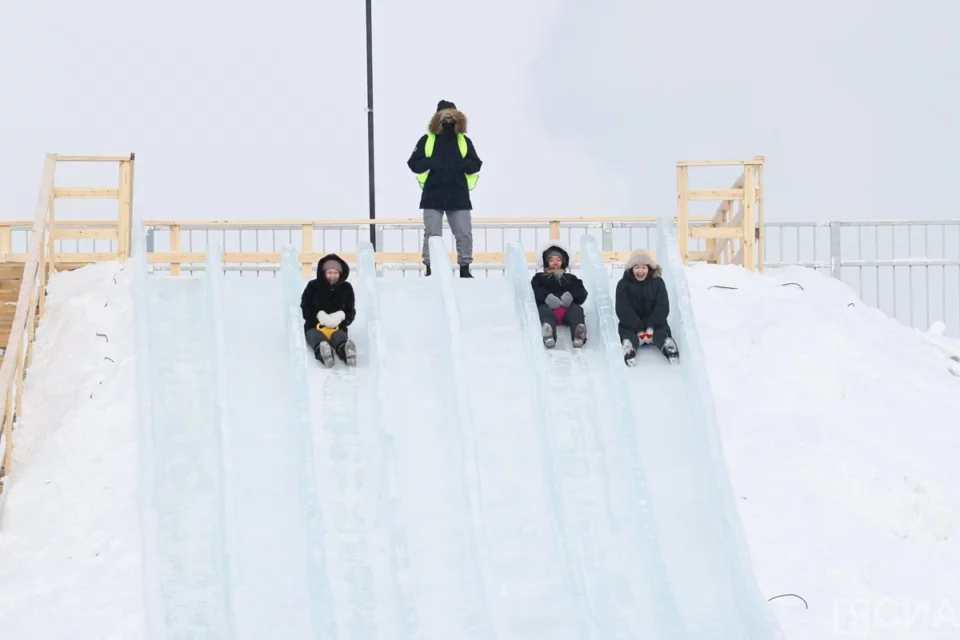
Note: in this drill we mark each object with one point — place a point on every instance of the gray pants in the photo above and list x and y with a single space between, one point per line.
459 225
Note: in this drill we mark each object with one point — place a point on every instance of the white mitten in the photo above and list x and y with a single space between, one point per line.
337 318
324 318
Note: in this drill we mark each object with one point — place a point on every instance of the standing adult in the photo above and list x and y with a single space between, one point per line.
447 168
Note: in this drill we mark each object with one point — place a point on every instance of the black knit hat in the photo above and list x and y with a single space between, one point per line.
445 104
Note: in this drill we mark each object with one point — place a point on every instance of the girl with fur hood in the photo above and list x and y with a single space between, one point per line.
559 295
329 307
642 307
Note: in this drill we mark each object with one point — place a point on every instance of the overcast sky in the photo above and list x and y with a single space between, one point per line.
257 110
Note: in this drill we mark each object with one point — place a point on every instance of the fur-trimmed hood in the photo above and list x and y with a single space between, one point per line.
459 118
344 267
642 256
568 260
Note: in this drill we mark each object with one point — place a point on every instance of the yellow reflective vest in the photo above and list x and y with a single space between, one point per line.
428 151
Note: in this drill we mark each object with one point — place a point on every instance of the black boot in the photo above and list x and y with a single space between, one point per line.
428 269
579 336
349 353
324 354
465 271
670 351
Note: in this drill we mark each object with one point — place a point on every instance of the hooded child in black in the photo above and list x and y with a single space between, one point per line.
559 295
329 307
642 307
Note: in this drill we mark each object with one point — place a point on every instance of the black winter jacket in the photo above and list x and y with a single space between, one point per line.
641 303
446 185
319 295
546 283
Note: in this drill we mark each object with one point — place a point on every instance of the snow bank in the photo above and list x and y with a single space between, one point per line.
841 429
69 542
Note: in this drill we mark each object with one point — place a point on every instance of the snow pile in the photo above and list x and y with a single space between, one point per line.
840 429
69 541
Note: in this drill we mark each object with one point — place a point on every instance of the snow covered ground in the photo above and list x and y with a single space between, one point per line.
839 427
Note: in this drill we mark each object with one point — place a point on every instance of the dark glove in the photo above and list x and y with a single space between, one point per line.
566 299
553 301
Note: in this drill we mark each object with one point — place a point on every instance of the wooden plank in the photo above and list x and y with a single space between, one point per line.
77 258
87 193
61 233
70 266
94 158
8 272
720 163
714 194
716 232
271 258
289 224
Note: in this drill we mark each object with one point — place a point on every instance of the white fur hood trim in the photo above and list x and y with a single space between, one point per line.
640 256
546 244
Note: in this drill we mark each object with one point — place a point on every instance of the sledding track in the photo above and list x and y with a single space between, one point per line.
461 482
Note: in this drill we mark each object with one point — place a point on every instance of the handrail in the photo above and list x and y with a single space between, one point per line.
12 369
277 224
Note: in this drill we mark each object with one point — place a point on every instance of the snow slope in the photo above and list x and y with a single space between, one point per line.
838 426
840 431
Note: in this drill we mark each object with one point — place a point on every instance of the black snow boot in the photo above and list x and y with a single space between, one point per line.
325 354
579 336
350 353
546 332
428 270
465 271
629 353
670 351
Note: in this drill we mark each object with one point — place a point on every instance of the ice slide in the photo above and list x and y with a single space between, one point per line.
460 482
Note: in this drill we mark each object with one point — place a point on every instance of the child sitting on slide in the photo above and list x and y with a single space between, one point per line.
328 307
642 307
559 295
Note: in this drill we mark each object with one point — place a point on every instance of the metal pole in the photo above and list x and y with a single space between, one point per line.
372 182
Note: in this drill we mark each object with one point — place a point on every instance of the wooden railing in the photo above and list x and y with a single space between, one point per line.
29 302
40 256
255 246
745 228
303 234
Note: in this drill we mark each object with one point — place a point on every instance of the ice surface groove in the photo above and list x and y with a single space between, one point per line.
389 526
213 289
755 619
668 623
187 462
533 350
321 605
479 548
152 596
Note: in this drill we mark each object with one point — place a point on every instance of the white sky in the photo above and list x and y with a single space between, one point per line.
257 110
